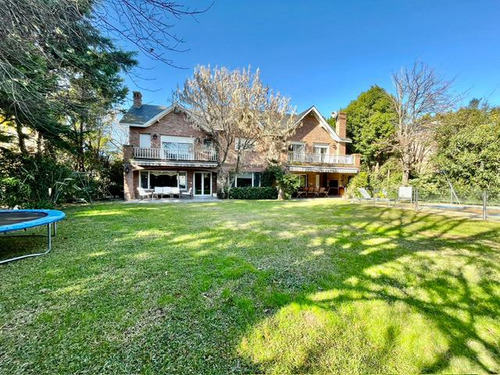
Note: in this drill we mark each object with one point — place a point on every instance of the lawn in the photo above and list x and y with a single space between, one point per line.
253 287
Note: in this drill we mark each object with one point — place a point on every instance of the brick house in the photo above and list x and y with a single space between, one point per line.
165 150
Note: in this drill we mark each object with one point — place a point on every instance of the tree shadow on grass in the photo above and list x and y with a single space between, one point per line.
407 274
285 287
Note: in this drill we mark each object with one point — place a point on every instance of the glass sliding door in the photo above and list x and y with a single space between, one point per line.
202 183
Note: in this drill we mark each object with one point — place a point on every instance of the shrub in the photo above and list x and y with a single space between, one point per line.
358 181
287 184
42 182
252 193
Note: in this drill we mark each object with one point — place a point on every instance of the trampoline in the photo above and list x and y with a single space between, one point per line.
15 220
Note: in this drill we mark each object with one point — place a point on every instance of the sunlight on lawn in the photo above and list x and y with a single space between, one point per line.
355 337
315 286
419 313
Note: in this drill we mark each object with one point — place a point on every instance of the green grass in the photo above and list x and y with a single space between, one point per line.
251 287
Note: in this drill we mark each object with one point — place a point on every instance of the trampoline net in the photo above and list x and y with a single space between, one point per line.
9 218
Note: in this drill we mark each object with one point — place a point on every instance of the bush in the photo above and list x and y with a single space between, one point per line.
358 181
42 182
287 184
252 193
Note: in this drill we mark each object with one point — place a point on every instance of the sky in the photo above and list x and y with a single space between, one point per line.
325 53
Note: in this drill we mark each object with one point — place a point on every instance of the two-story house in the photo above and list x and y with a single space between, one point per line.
166 150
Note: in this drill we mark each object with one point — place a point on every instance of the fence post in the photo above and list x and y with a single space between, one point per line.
485 200
416 199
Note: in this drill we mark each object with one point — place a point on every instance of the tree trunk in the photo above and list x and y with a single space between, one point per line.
21 137
406 176
281 194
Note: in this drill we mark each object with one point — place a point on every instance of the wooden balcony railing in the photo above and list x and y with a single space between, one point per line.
163 154
297 157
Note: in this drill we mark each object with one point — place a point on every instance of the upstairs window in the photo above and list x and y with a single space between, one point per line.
297 148
145 140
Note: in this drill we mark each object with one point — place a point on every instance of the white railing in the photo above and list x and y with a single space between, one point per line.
163 154
298 157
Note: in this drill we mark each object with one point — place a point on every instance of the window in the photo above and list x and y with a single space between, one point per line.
244 144
182 178
145 141
244 180
177 148
297 152
320 152
180 151
145 179
150 179
249 179
257 177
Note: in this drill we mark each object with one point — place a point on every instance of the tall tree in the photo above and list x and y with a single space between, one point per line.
468 146
420 93
54 67
235 106
370 124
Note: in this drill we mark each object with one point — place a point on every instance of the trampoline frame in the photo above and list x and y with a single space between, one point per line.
50 220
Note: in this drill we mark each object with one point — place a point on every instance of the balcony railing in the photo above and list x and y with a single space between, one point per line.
298 157
163 154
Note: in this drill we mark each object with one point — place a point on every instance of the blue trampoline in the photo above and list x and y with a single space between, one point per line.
14 220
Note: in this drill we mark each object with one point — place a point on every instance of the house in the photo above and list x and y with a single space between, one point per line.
166 150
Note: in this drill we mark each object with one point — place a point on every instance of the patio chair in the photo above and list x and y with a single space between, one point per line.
143 193
313 191
175 191
365 194
158 192
187 194
324 192
302 193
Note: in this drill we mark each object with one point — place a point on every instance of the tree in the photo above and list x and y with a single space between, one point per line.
56 71
468 146
146 24
420 93
235 106
370 124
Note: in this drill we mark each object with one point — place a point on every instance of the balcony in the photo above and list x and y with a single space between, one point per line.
181 155
302 158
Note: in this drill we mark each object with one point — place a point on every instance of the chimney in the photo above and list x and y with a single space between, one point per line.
341 125
137 99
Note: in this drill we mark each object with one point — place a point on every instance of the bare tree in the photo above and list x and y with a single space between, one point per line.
235 108
147 24
420 93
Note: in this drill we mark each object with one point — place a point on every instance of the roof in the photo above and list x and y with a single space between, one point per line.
147 115
322 122
143 115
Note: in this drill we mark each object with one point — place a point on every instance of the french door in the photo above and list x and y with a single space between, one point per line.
202 183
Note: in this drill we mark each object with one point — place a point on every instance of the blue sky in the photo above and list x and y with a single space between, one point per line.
327 52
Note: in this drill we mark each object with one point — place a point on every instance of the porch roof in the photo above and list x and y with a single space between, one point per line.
321 169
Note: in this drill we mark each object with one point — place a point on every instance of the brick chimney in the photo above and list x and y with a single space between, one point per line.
137 99
341 125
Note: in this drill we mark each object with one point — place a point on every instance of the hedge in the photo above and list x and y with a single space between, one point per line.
253 193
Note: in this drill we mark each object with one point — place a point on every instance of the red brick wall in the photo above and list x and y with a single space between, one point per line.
312 132
174 124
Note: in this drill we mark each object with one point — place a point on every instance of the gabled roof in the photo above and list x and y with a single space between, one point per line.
322 122
146 115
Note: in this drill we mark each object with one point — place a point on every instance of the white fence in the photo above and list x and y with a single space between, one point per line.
163 154
297 157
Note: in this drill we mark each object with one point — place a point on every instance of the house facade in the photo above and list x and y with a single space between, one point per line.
165 150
